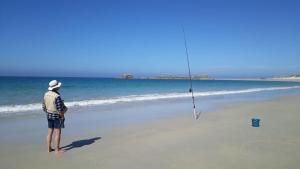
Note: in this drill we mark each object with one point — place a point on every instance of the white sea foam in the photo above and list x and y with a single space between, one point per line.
135 98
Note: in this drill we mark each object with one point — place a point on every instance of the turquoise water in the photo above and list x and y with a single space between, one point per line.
25 93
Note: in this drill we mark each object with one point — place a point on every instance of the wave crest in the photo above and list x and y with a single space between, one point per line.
135 98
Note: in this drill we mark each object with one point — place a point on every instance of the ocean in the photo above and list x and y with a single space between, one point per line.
23 94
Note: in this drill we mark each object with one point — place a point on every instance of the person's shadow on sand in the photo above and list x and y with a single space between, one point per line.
80 143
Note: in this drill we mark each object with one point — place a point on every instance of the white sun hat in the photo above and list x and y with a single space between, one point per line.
53 84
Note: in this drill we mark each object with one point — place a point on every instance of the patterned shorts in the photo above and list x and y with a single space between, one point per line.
56 123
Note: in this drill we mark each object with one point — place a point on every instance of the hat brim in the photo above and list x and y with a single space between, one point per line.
55 87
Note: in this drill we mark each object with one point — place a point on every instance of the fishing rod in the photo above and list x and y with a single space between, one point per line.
196 116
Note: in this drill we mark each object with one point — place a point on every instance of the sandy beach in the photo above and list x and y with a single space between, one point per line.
128 76
223 138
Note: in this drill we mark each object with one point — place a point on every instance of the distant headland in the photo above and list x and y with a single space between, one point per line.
295 77
129 76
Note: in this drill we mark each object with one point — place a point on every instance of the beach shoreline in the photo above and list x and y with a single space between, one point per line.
222 138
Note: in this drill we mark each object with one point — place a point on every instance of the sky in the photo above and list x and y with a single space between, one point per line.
95 38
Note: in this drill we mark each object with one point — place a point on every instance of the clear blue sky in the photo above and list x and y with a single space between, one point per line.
106 38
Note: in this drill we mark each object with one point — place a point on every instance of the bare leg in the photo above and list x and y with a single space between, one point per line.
49 139
57 140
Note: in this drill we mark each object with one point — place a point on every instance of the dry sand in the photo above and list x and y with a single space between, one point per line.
220 139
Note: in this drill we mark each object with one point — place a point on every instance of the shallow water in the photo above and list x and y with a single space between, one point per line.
24 94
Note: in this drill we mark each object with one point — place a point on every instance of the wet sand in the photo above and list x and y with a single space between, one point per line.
220 139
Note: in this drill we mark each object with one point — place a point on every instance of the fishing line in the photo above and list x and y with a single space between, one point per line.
190 76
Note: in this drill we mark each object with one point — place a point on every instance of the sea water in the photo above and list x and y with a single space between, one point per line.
23 94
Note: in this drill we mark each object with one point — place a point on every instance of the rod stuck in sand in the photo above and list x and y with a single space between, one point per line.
196 116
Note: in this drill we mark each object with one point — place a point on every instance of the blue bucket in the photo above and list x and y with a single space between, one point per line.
255 122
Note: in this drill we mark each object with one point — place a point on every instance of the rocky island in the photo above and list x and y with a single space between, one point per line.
172 77
129 76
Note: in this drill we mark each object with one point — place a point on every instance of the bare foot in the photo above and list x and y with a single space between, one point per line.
50 150
59 151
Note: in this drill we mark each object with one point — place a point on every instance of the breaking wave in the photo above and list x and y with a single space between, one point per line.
136 98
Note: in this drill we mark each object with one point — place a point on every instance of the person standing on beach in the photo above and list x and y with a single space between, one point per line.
55 109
